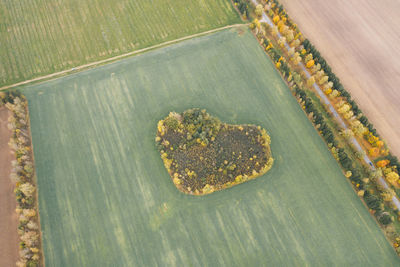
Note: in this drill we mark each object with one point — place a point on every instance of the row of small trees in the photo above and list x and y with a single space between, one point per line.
326 132
323 75
302 49
244 7
22 174
349 110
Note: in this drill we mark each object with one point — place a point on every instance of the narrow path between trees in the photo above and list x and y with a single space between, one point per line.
366 159
107 60
8 217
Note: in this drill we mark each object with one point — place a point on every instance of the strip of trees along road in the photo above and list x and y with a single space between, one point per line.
366 159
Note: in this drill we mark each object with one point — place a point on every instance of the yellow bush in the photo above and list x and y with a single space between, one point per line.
382 163
379 143
329 91
392 178
276 19
373 152
310 63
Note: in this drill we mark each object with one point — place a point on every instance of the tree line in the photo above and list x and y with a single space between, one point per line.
302 50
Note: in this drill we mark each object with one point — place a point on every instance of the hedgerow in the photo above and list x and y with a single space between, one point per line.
22 174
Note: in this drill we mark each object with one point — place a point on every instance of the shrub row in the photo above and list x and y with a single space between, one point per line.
337 84
317 118
244 7
328 135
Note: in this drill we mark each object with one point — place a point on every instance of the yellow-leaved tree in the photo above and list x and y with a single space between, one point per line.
310 81
392 178
276 19
310 63
382 163
259 10
323 79
308 58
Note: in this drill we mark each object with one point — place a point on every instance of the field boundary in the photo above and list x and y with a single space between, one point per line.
112 59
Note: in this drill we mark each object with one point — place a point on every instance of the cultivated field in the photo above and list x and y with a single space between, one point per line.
46 36
8 216
360 40
107 200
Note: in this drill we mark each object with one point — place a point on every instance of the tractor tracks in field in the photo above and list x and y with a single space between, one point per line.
112 59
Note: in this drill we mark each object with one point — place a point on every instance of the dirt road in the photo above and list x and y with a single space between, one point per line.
360 40
8 217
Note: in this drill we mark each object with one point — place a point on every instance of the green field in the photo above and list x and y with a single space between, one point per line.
107 200
44 36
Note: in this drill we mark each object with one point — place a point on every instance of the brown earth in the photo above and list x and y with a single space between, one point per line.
8 216
360 40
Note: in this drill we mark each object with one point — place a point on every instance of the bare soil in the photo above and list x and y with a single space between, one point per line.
8 216
359 39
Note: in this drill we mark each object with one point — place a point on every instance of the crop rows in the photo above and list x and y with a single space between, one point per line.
41 37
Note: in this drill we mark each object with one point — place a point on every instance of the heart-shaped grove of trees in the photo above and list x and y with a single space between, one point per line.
203 155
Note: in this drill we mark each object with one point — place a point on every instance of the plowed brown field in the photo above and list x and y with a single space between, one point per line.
8 216
360 40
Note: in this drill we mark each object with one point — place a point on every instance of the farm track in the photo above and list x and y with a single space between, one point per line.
108 60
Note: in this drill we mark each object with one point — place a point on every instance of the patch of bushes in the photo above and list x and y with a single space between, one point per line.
373 202
203 155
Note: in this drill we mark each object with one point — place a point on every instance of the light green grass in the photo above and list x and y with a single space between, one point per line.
106 199
44 36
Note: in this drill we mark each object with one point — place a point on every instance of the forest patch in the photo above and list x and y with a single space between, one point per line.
203 155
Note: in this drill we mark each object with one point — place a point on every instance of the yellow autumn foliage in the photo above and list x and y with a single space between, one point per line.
323 79
177 181
373 152
379 143
310 63
392 178
160 127
276 19
372 139
329 91
308 58
208 189
310 81
382 163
